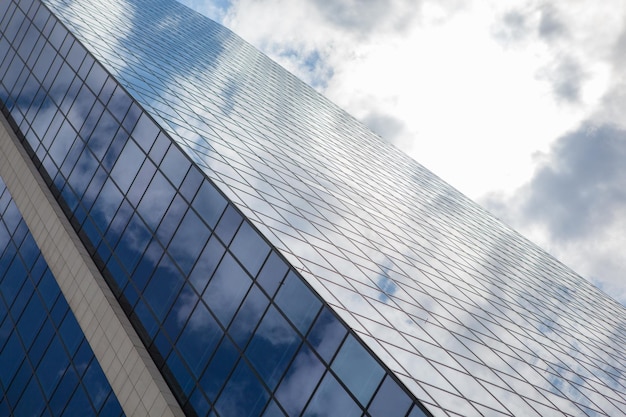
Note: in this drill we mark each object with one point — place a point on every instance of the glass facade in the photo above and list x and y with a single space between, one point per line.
231 325
274 256
47 368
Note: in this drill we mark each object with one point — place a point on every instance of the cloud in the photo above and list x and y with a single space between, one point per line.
581 189
567 80
574 203
364 17
386 126
550 25
513 27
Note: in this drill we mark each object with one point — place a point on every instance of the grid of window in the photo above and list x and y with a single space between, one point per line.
438 290
470 316
233 328
46 366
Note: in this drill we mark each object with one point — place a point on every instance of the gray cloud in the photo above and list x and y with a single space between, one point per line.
577 199
521 24
566 78
550 25
387 127
512 28
364 16
581 188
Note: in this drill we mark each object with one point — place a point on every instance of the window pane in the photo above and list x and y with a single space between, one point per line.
302 377
127 166
243 396
331 400
358 370
326 335
199 339
189 240
390 401
272 274
298 302
272 347
226 289
249 248
219 369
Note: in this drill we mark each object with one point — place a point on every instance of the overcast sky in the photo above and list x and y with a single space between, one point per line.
518 104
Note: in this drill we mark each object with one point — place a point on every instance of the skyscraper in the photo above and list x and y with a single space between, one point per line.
187 229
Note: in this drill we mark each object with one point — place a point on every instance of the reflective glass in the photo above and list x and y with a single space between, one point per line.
189 240
298 302
358 370
219 369
199 338
419 272
300 381
327 334
272 347
243 395
272 273
331 399
249 248
390 401
45 361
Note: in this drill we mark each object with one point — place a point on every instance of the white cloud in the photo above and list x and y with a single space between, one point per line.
473 90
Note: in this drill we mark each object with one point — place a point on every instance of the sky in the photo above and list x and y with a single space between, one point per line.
517 104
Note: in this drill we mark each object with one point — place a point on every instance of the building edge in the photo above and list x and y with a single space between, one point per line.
134 377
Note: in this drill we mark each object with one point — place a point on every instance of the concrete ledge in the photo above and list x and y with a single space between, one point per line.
135 379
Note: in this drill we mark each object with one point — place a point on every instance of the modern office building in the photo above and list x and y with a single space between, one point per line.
186 229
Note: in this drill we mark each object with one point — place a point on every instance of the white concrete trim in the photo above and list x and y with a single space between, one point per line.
140 387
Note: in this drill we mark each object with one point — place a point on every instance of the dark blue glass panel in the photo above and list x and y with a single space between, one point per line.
134 241
181 373
31 320
190 185
243 396
248 316
331 400
143 178
145 132
326 335
358 370
228 225
272 273
156 200
273 410
189 240
417 412
298 302
300 381
199 339
163 288
10 359
119 103
199 403
219 369
249 248
390 401
145 316
32 401
96 78
175 165
229 285
272 347
79 404
209 203
102 136
180 312
172 219
71 333
206 264
127 166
